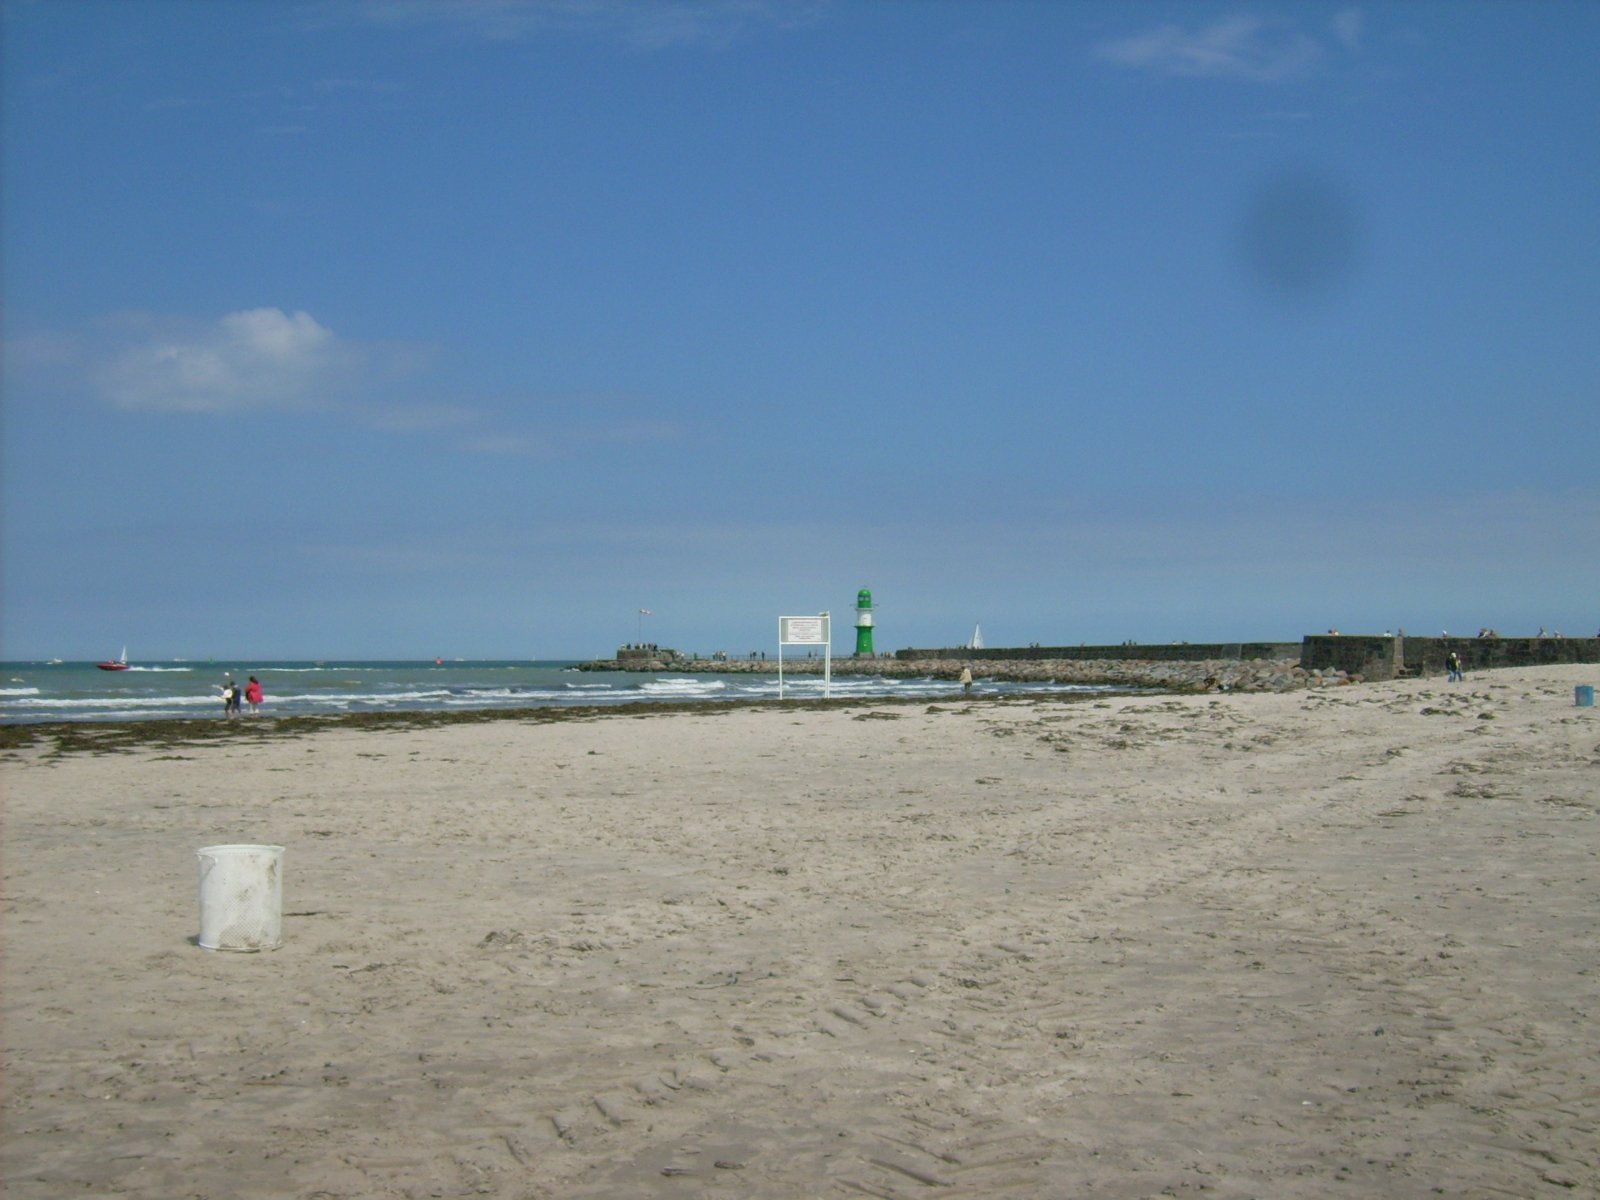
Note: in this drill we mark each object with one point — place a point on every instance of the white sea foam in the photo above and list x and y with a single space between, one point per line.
323 670
346 699
685 688
128 702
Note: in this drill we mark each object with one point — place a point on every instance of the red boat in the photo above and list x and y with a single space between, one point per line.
120 664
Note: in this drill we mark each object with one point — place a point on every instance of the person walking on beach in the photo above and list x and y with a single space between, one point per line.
1453 666
254 694
966 681
230 696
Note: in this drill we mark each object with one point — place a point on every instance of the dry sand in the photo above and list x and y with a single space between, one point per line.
1331 943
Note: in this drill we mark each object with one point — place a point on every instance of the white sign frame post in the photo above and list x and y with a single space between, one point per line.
808 631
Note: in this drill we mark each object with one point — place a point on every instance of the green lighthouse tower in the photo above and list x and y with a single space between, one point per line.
864 624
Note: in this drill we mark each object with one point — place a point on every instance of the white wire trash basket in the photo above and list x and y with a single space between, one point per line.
241 897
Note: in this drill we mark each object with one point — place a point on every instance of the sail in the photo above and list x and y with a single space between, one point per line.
977 638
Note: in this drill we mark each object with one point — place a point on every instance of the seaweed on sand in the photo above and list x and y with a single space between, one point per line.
122 737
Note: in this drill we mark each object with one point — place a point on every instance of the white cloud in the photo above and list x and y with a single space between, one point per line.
1347 28
272 360
262 358
1238 47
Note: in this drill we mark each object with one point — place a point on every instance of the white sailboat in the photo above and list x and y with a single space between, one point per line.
977 638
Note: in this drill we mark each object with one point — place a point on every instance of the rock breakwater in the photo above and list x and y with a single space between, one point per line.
1254 675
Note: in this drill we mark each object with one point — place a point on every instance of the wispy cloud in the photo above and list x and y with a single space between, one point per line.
417 417
263 358
1347 27
658 25
271 360
172 104
362 87
291 108
1237 47
515 445
602 425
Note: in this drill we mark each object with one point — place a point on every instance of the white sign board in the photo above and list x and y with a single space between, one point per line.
802 631
807 631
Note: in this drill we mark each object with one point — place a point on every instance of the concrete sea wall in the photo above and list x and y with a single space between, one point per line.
1387 657
1127 652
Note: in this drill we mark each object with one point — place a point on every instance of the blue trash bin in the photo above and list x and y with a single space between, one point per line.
1583 695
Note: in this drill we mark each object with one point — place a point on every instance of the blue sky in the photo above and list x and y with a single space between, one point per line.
405 328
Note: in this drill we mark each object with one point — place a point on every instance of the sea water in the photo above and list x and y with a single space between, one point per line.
34 692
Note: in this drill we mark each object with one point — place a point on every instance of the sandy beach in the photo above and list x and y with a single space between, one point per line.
1337 942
